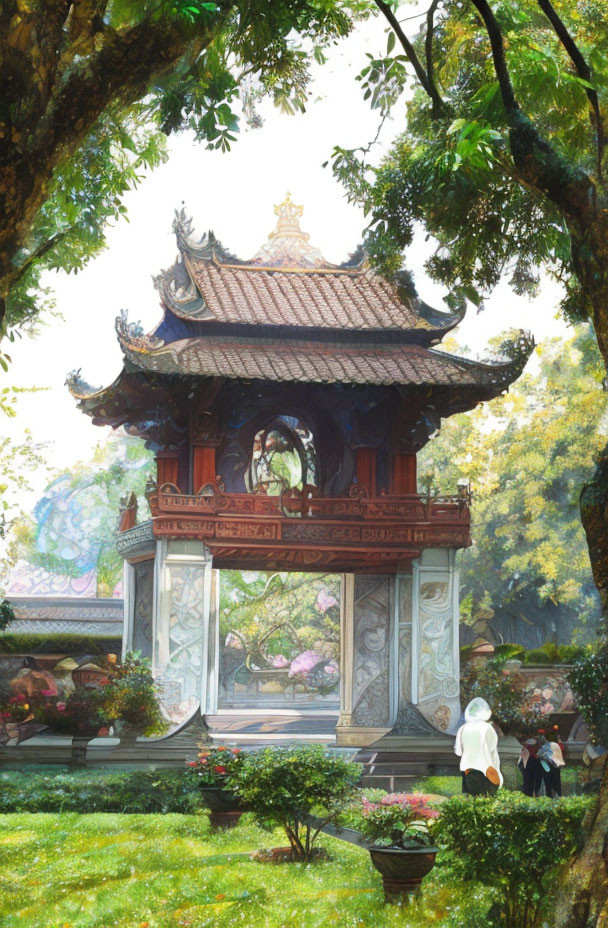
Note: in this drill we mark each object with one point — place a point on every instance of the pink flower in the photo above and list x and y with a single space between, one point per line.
325 601
280 661
60 707
304 663
46 693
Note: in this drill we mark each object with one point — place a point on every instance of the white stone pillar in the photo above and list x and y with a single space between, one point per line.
347 666
435 682
185 635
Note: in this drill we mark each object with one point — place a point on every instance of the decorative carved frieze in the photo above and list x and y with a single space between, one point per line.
136 541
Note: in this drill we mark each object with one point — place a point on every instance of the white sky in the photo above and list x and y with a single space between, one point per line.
234 195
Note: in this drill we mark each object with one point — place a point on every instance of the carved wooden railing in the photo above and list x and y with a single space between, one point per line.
308 504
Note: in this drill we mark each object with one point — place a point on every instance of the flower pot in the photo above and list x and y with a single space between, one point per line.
402 870
223 806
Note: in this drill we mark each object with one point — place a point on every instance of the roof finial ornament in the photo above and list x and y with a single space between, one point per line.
288 247
288 220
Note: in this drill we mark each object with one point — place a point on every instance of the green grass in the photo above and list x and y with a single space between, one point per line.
168 871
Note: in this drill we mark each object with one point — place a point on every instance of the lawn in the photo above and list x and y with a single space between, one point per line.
166 871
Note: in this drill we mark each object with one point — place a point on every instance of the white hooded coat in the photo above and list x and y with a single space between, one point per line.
476 740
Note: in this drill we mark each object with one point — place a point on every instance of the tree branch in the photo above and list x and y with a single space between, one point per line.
498 55
427 85
40 253
537 163
584 71
428 42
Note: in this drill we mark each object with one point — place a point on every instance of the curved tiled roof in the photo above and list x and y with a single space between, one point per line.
313 362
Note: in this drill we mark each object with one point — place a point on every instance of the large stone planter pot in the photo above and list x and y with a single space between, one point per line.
224 808
402 870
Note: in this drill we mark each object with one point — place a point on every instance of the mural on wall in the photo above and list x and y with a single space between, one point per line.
279 639
69 549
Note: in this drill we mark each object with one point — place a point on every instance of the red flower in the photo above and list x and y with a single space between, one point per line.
236 750
220 769
192 763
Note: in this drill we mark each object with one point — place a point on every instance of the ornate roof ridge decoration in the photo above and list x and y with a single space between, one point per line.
131 335
79 387
508 363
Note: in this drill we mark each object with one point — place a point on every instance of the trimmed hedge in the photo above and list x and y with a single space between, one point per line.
58 644
137 792
514 843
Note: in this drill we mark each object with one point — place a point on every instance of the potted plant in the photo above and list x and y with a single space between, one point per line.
400 842
131 699
301 788
213 771
80 715
16 718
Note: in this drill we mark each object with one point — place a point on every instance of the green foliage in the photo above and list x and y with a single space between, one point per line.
453 169
13 643
6 616
513 843
442 786
133 792
527 454
509 651
589 681
283 785
211 61
131 696
514 708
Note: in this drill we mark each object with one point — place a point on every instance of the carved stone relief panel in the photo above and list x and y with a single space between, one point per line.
143 598
182 616
373 597
438 683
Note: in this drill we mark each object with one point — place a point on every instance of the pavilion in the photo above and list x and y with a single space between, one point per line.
335 366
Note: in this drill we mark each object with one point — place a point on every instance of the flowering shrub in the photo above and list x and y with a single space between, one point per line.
315 671
284 785
81 713
131 696
214 766
16 708
398 820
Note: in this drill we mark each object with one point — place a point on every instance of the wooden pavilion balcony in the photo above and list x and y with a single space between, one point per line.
301 529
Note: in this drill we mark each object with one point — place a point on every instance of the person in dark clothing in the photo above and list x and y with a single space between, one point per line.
530 767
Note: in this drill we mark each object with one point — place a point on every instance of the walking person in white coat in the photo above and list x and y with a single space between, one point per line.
477 746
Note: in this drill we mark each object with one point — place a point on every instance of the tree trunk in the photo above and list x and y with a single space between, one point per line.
582 897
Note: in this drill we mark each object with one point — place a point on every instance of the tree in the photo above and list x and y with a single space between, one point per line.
71 537
526 455
503 163
17 461
89 87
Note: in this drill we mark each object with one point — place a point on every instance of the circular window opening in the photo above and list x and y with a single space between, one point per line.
283 457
